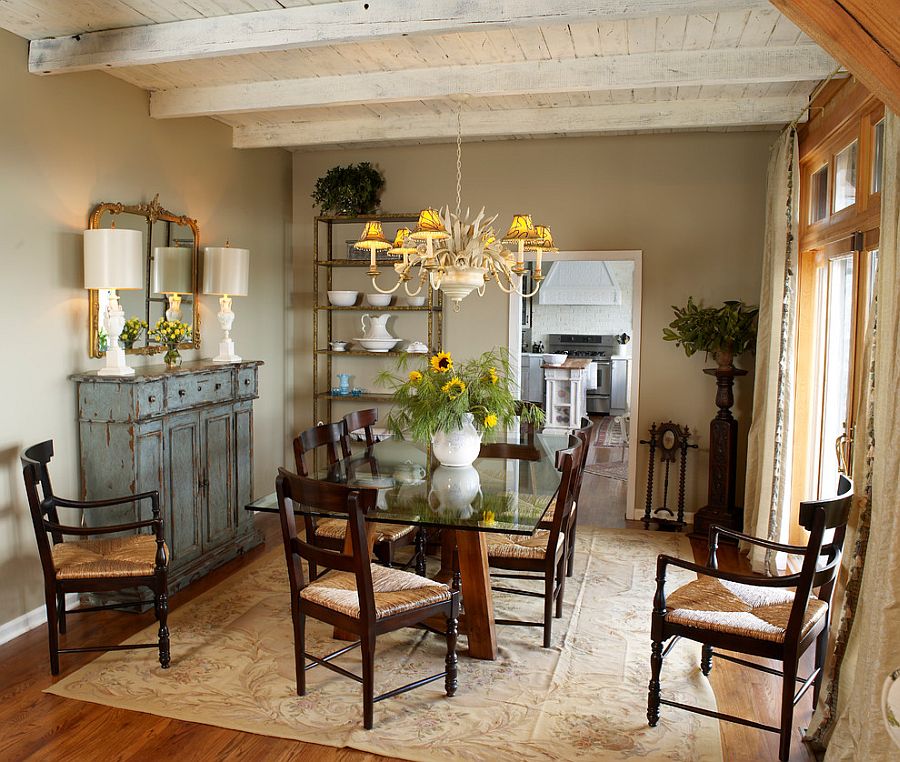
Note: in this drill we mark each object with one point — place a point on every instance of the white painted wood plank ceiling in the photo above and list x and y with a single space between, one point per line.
307 74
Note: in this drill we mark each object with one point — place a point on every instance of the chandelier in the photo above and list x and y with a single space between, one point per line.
458 255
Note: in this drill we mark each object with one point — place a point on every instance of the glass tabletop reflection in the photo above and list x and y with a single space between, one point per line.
507 489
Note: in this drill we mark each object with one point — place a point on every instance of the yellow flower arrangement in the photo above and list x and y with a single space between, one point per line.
490 420
415 376
442 362
453 388
492 376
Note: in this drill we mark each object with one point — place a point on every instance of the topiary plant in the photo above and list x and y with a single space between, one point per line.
725 331
351 190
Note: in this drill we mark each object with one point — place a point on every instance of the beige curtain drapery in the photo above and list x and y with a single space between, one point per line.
850 718
767 491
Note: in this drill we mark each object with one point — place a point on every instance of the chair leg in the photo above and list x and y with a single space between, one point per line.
52 625
549 585
162 614
61 611
450 681
656 660
300 648
570 544
821 650
706 654
420 551
787 706
368 665
561 577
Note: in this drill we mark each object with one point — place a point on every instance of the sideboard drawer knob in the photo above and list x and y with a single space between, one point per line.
218 386
246 382
199 388
181 392
152 398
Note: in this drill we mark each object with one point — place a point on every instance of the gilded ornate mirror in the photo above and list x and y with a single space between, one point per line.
171 273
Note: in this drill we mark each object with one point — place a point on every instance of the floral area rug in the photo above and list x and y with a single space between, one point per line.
582 699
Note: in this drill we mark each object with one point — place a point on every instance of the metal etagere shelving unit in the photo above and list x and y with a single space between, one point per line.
324 313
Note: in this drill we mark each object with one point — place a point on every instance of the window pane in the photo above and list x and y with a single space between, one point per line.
818 195
845 177
878 157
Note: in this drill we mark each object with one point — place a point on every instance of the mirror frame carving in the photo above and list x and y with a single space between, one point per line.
154 212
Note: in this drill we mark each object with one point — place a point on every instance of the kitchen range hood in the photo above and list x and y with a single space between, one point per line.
579 283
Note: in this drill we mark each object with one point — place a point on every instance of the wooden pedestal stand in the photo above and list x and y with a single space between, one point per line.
720 508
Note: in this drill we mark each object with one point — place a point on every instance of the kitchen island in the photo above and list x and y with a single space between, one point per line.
565 394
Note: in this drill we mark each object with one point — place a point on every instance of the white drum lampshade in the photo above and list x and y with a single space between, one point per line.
226 271
113 259
171 271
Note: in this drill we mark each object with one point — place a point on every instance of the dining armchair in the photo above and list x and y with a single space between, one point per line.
356 596
541 556
755 615
330 533
114 562
585 434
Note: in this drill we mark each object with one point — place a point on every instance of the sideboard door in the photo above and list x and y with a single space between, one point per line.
182 515
217 447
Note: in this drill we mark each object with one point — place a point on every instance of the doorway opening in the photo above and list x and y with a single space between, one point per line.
588 307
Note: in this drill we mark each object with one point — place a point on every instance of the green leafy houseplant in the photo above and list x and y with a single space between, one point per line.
351 190
726 331
437 394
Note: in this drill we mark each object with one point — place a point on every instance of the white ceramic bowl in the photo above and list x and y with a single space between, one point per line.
342 298
377 345
554 359
378 300
415 301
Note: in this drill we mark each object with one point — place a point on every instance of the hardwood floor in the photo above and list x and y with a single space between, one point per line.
37 725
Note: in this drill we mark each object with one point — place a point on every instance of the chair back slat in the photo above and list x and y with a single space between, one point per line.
305 493
359 419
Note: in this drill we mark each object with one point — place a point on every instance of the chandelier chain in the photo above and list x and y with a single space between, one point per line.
458 160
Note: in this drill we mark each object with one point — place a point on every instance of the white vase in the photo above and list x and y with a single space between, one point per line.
457 448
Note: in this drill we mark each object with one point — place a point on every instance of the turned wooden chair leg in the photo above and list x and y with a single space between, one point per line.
162 608
420 551
52 625
706 655
656 660
300 649
61 611
368 668
821 651
450 681
787 706
549 585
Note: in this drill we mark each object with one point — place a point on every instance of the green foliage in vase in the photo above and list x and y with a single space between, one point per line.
132 331
169 333
351 190
730 328
437 394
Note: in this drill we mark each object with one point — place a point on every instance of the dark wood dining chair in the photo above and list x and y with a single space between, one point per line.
541 556
359 419
586 435
356 596
94 565
755 615
330 533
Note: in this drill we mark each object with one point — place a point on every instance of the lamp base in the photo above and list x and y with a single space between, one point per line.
226 352
115 364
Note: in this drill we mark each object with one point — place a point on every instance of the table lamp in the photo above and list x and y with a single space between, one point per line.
171 275
226 271
113 259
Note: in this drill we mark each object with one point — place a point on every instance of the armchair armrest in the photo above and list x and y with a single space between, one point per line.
715 530
85 531
152 496
664 561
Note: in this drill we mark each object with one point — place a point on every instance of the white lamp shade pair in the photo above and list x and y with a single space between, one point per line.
226 270
171 271
113 258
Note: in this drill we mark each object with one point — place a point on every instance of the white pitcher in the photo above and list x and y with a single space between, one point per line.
377 327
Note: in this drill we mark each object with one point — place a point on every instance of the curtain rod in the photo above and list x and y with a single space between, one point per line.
815 94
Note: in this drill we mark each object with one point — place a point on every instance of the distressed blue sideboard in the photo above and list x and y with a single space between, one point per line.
187 433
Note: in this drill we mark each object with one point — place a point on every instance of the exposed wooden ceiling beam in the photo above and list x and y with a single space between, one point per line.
640 70
358 21
685 114
862 34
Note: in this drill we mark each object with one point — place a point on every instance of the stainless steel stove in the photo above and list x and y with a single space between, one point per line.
598 348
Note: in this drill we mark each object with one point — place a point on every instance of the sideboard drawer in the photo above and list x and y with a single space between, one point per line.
190 391
246 381
148 399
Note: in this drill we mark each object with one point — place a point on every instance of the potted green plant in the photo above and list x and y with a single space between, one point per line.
349 190
727 331
452 405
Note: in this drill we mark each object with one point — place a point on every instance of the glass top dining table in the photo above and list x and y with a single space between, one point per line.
507 489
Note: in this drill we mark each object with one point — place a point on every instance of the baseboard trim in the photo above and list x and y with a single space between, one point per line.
31 619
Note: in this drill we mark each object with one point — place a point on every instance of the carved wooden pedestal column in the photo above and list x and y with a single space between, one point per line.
720 507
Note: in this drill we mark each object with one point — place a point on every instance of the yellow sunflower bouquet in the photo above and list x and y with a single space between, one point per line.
437 393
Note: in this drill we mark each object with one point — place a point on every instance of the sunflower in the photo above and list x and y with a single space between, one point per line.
492 376
453 388
415 376
490 420
442 362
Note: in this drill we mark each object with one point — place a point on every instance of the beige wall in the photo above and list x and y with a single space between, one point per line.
67 143
692 202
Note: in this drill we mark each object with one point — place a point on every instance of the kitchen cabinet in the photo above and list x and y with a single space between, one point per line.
187 433
565 395
619 385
